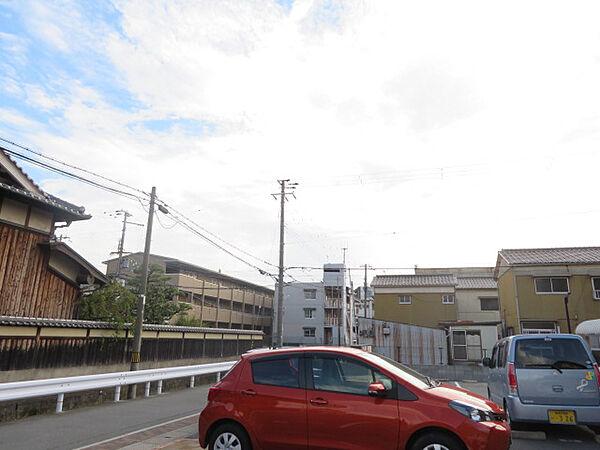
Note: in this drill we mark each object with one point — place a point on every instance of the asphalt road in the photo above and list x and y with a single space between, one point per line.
85 426
96 425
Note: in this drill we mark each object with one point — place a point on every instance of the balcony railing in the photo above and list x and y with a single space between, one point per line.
333 302
332 321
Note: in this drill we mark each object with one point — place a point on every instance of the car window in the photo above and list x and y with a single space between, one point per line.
502 348
494 357
345 375
548 352
282 372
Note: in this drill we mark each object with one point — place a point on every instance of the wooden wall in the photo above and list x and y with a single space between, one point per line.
27 287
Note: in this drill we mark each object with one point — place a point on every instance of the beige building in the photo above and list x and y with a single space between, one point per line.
217 299
533 284
463 301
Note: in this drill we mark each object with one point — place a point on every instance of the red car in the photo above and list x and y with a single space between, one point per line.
343 398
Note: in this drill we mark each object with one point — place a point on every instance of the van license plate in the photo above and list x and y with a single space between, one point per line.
564 417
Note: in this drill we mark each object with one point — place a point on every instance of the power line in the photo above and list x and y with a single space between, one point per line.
69 174
73 166
113 190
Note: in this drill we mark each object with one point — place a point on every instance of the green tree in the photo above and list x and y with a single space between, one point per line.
118 305
160 304
113 303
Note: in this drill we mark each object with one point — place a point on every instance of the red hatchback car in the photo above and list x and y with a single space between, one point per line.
343 398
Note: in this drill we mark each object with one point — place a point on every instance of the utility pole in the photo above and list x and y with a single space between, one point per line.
120 251
364 299
137 338
287 188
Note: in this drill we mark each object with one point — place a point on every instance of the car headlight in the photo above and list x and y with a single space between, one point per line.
473 413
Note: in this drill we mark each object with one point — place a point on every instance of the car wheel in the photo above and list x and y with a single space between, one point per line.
229 436
437 441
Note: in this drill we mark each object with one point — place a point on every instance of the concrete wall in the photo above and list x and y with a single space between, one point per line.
294 321
454 373
469 305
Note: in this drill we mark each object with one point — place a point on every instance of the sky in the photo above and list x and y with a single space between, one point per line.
428 133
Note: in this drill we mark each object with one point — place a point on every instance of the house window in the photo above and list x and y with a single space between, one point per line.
310 294
404 299
448 299
309 332
309 313
489 303
552 285
596 288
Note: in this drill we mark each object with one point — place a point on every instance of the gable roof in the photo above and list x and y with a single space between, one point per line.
550 256
413 280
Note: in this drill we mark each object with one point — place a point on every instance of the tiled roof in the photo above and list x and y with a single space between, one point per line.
551 256
69 323
74 212
413 280
476 283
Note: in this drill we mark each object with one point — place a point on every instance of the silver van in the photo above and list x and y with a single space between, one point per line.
549 378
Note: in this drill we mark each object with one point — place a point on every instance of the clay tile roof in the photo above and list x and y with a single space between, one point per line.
413 280
476 283
551 256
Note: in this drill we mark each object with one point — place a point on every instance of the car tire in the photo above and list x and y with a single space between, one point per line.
229 436
438 441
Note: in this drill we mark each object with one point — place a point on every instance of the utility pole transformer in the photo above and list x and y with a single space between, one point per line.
287 188
137 338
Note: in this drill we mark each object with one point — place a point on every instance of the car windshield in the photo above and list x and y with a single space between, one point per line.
406 373
551 353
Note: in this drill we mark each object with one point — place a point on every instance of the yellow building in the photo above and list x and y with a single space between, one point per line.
533 285
462 301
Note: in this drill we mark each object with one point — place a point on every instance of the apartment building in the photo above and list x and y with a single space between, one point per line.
534 283
320 312
217 299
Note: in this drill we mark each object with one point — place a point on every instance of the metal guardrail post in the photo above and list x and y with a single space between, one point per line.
192 379
218 376
147 389
59 402
159 387
117 393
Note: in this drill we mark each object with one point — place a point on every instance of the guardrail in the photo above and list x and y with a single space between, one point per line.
60 386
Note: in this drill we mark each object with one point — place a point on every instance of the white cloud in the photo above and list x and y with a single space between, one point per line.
506 102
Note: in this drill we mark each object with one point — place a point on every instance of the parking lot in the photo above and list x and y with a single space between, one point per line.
534 436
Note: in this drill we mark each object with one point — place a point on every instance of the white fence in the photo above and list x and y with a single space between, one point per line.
60 386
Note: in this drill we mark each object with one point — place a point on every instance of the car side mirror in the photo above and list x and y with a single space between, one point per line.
486 361
376 389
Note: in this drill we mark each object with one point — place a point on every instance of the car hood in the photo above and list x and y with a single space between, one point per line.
449 393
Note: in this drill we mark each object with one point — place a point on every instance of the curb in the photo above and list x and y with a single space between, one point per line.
529 435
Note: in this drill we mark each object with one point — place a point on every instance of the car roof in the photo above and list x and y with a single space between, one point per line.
290 350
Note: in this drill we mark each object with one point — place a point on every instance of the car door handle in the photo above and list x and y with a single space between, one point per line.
318 401
249 392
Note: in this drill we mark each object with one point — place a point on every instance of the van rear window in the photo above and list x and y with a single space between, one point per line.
546 353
